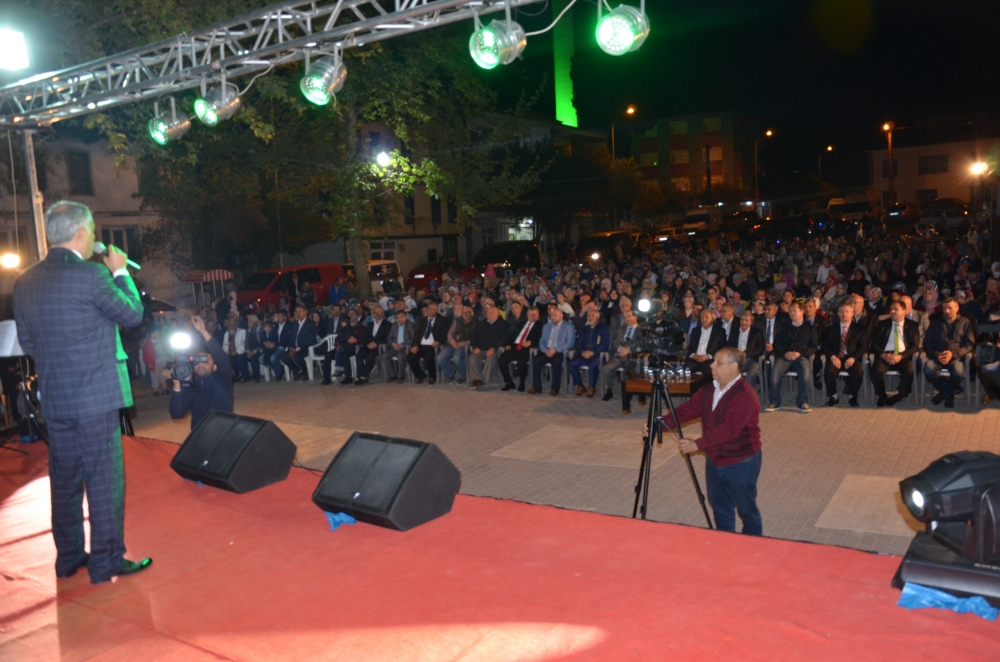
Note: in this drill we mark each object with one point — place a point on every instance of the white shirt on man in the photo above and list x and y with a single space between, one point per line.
741 343
721 392
706 334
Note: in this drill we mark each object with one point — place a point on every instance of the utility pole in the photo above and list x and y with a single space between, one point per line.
888 127
708 175
37 203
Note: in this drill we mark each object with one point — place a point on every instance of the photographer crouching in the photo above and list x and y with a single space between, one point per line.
202 381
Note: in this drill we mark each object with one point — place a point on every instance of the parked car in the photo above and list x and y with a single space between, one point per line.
641 239
380 273
512 255
422 275
945 213
901 213
601 245
266 287
784 229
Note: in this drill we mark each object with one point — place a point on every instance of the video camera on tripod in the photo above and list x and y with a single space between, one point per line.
658 338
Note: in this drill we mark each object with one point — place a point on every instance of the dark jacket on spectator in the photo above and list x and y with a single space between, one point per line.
857 341
755 342
488 335
911 337
439 331
213 392
791 338
301 339
944 335
715 342
594 339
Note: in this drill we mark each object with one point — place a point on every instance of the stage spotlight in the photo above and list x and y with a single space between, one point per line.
644 305
180 340
13 50
324 78
622 30
219 103
958 497
498 43
168 126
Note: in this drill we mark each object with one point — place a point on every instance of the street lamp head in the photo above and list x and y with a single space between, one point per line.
888 126
829 148
630 110
769 133
13 50
978 168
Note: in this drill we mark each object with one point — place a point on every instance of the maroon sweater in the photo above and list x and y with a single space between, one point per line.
730 433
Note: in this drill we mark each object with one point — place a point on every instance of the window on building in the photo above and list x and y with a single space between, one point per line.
125 237
649 145
885 168
450 246
648 160
78 169
436 211
925 196
932 165
650 185
679 128
409 210
716 180
383 250
11 242
452 211
711 124
715 154
679 156
375 139
680 183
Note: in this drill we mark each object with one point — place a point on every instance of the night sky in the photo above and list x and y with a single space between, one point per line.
818 71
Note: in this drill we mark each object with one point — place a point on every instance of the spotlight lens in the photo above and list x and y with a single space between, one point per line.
158 131
643 305
180 341
622 30
313 88
203 109
484 48
918 499
498 43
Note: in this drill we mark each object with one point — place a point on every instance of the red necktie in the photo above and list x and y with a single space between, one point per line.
524 334
843 341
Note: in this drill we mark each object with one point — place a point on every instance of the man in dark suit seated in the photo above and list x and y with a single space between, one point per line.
895 342
378 334
283 333
844 345
750 341
524 338
706 340
67 311
398 346
489 337
431 331
728 323
592 341
352 335
301 336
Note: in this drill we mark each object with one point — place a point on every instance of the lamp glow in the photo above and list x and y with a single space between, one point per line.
595 256
498 43
169 126
218 104
643 305
978 168
10 260
324 79
13 50
622 30
180 341
383 160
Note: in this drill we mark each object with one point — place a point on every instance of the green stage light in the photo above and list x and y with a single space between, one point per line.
323 79
169 126
622 30
218 104
498 43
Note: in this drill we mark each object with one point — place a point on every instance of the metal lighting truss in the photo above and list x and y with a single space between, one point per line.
250 44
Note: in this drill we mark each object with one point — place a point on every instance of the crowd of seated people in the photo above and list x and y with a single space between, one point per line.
821 309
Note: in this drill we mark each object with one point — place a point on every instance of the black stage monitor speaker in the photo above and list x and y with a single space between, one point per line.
236 453
395 483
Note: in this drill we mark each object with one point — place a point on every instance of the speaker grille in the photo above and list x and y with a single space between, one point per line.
370 474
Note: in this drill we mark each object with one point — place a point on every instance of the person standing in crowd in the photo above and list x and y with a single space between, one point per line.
729 411
85 382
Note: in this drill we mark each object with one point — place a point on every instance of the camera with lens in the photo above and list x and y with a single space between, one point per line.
658 338
182 369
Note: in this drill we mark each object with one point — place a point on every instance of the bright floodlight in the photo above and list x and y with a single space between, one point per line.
978 168
498 43
622 30
595 256
10 260
13 50
644 305
180 340
219 104
169 126
382 159
324 79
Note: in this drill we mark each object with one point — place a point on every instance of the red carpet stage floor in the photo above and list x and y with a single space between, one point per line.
261 577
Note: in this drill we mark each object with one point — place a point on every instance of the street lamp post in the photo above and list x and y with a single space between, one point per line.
756 188
888 127
819 164
630 111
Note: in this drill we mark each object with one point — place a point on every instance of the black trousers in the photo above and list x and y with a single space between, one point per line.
513 354
905 369
297 363
427 353
86 454
366 360
855 375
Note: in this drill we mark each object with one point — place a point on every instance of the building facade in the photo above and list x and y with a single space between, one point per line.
672 154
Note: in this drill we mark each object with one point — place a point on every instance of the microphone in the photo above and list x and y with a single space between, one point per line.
101 249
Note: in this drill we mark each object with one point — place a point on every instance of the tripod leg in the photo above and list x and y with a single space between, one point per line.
655 434
647 451
687 459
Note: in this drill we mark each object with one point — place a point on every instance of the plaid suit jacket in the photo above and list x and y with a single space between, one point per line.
67 312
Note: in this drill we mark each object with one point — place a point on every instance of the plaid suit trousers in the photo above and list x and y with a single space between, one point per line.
86 454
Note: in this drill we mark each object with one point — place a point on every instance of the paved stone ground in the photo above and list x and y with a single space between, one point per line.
806 457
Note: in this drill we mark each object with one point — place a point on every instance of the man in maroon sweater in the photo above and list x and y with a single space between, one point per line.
728 409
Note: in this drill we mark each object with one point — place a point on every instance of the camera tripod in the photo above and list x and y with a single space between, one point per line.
657 376
32 424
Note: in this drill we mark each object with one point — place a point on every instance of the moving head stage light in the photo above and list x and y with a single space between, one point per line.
958 497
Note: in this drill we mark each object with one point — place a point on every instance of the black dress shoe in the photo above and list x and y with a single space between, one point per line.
431 381
347 380
127 568
959 390
831 401
893 399
608 395
326 381
82 563
949 402
937 399
853 401
508 387
520 389
420 380
881 401
360 381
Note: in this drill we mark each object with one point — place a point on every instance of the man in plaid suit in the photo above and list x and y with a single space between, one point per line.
67 311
